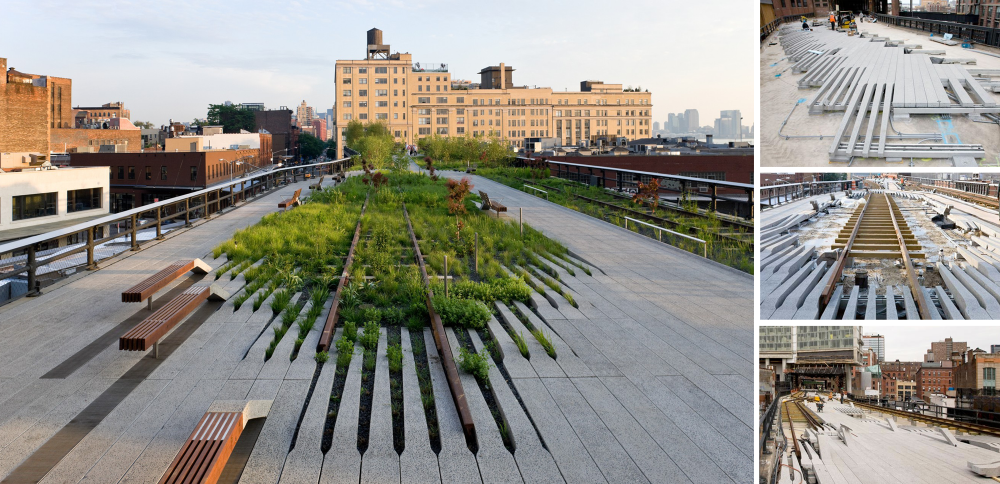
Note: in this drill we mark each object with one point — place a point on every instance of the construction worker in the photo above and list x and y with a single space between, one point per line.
833 21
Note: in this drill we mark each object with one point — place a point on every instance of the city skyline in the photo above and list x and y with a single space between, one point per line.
171 64
911 343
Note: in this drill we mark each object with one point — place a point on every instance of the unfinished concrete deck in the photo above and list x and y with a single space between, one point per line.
652 382
875 452
779 92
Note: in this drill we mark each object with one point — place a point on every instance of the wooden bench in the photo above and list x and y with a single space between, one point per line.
206 451
147 333
144 290
318 185
291 202
471 169
489 204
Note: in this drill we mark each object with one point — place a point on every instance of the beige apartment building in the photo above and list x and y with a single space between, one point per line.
416 100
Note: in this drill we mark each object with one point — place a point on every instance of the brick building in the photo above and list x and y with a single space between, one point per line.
284 136
947 350
90 116
934 378
121 136
138 179
901 370
732 168
319 129
977 375
30 106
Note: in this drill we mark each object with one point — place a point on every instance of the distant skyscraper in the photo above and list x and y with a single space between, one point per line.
304 115
656 125
876 343
727 126
693 123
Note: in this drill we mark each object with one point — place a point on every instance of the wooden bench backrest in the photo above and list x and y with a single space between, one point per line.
155 282
151 329
486 200
297 192
207 449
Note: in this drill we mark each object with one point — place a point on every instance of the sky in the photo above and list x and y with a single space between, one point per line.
909 343
171 59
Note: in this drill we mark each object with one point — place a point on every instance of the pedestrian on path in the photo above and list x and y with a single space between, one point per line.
833 22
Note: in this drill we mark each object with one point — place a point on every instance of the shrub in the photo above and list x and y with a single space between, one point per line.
476 364
345 350
322 357
351 331
395 354
416 323
319 296
466 313
369 339
457 191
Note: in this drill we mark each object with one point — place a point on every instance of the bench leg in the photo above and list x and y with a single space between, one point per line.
156 350
149 303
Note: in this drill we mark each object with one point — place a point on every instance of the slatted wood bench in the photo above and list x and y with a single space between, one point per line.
206 451
291 202
489 204
144 290
319 183
148 333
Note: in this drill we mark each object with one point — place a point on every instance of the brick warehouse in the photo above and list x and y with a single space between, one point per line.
141 178
30 106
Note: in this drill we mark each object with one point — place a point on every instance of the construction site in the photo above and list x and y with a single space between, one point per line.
872 94
881 247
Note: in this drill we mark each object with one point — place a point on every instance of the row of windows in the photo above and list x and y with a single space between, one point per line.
601 102
148 173
44 204
378 80
364 92
378 70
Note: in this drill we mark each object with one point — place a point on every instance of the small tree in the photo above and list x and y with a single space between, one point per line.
649 193
457 191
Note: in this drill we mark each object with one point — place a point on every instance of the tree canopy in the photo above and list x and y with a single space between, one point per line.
373 141
231 118
310 146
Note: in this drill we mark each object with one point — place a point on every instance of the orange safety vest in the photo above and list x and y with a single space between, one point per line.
832 18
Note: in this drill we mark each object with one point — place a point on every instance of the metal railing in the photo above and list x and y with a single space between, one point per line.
23 254
661 230
766 29
767 434
538 190
975 33
625 178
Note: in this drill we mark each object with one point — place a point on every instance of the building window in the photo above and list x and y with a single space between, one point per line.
347 70
363 116
86 199
423 100
347 116
381 104
362 70
460 130
381 92
460 120
424 111
347 93
423 120
347 80
424 131
381 80
131 173
121 172
347 104
381 70
442 120
381 116
37 205
442 130
362 104
163 173
420 88
194 173
363 92
442 100
363 80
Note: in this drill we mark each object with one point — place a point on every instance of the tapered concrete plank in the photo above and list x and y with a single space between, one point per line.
542 363
517 365
654 463
380 463
496 463
268 456
570 363
456 461
611 458
797 298
417 463
964 299
342 463
533 460
304 462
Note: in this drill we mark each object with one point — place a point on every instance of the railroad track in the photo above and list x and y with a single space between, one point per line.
977 198
877 229
799 417
947 423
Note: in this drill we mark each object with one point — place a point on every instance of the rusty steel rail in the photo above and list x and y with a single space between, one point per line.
971 428
331 319
838 268
919 296
443 347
